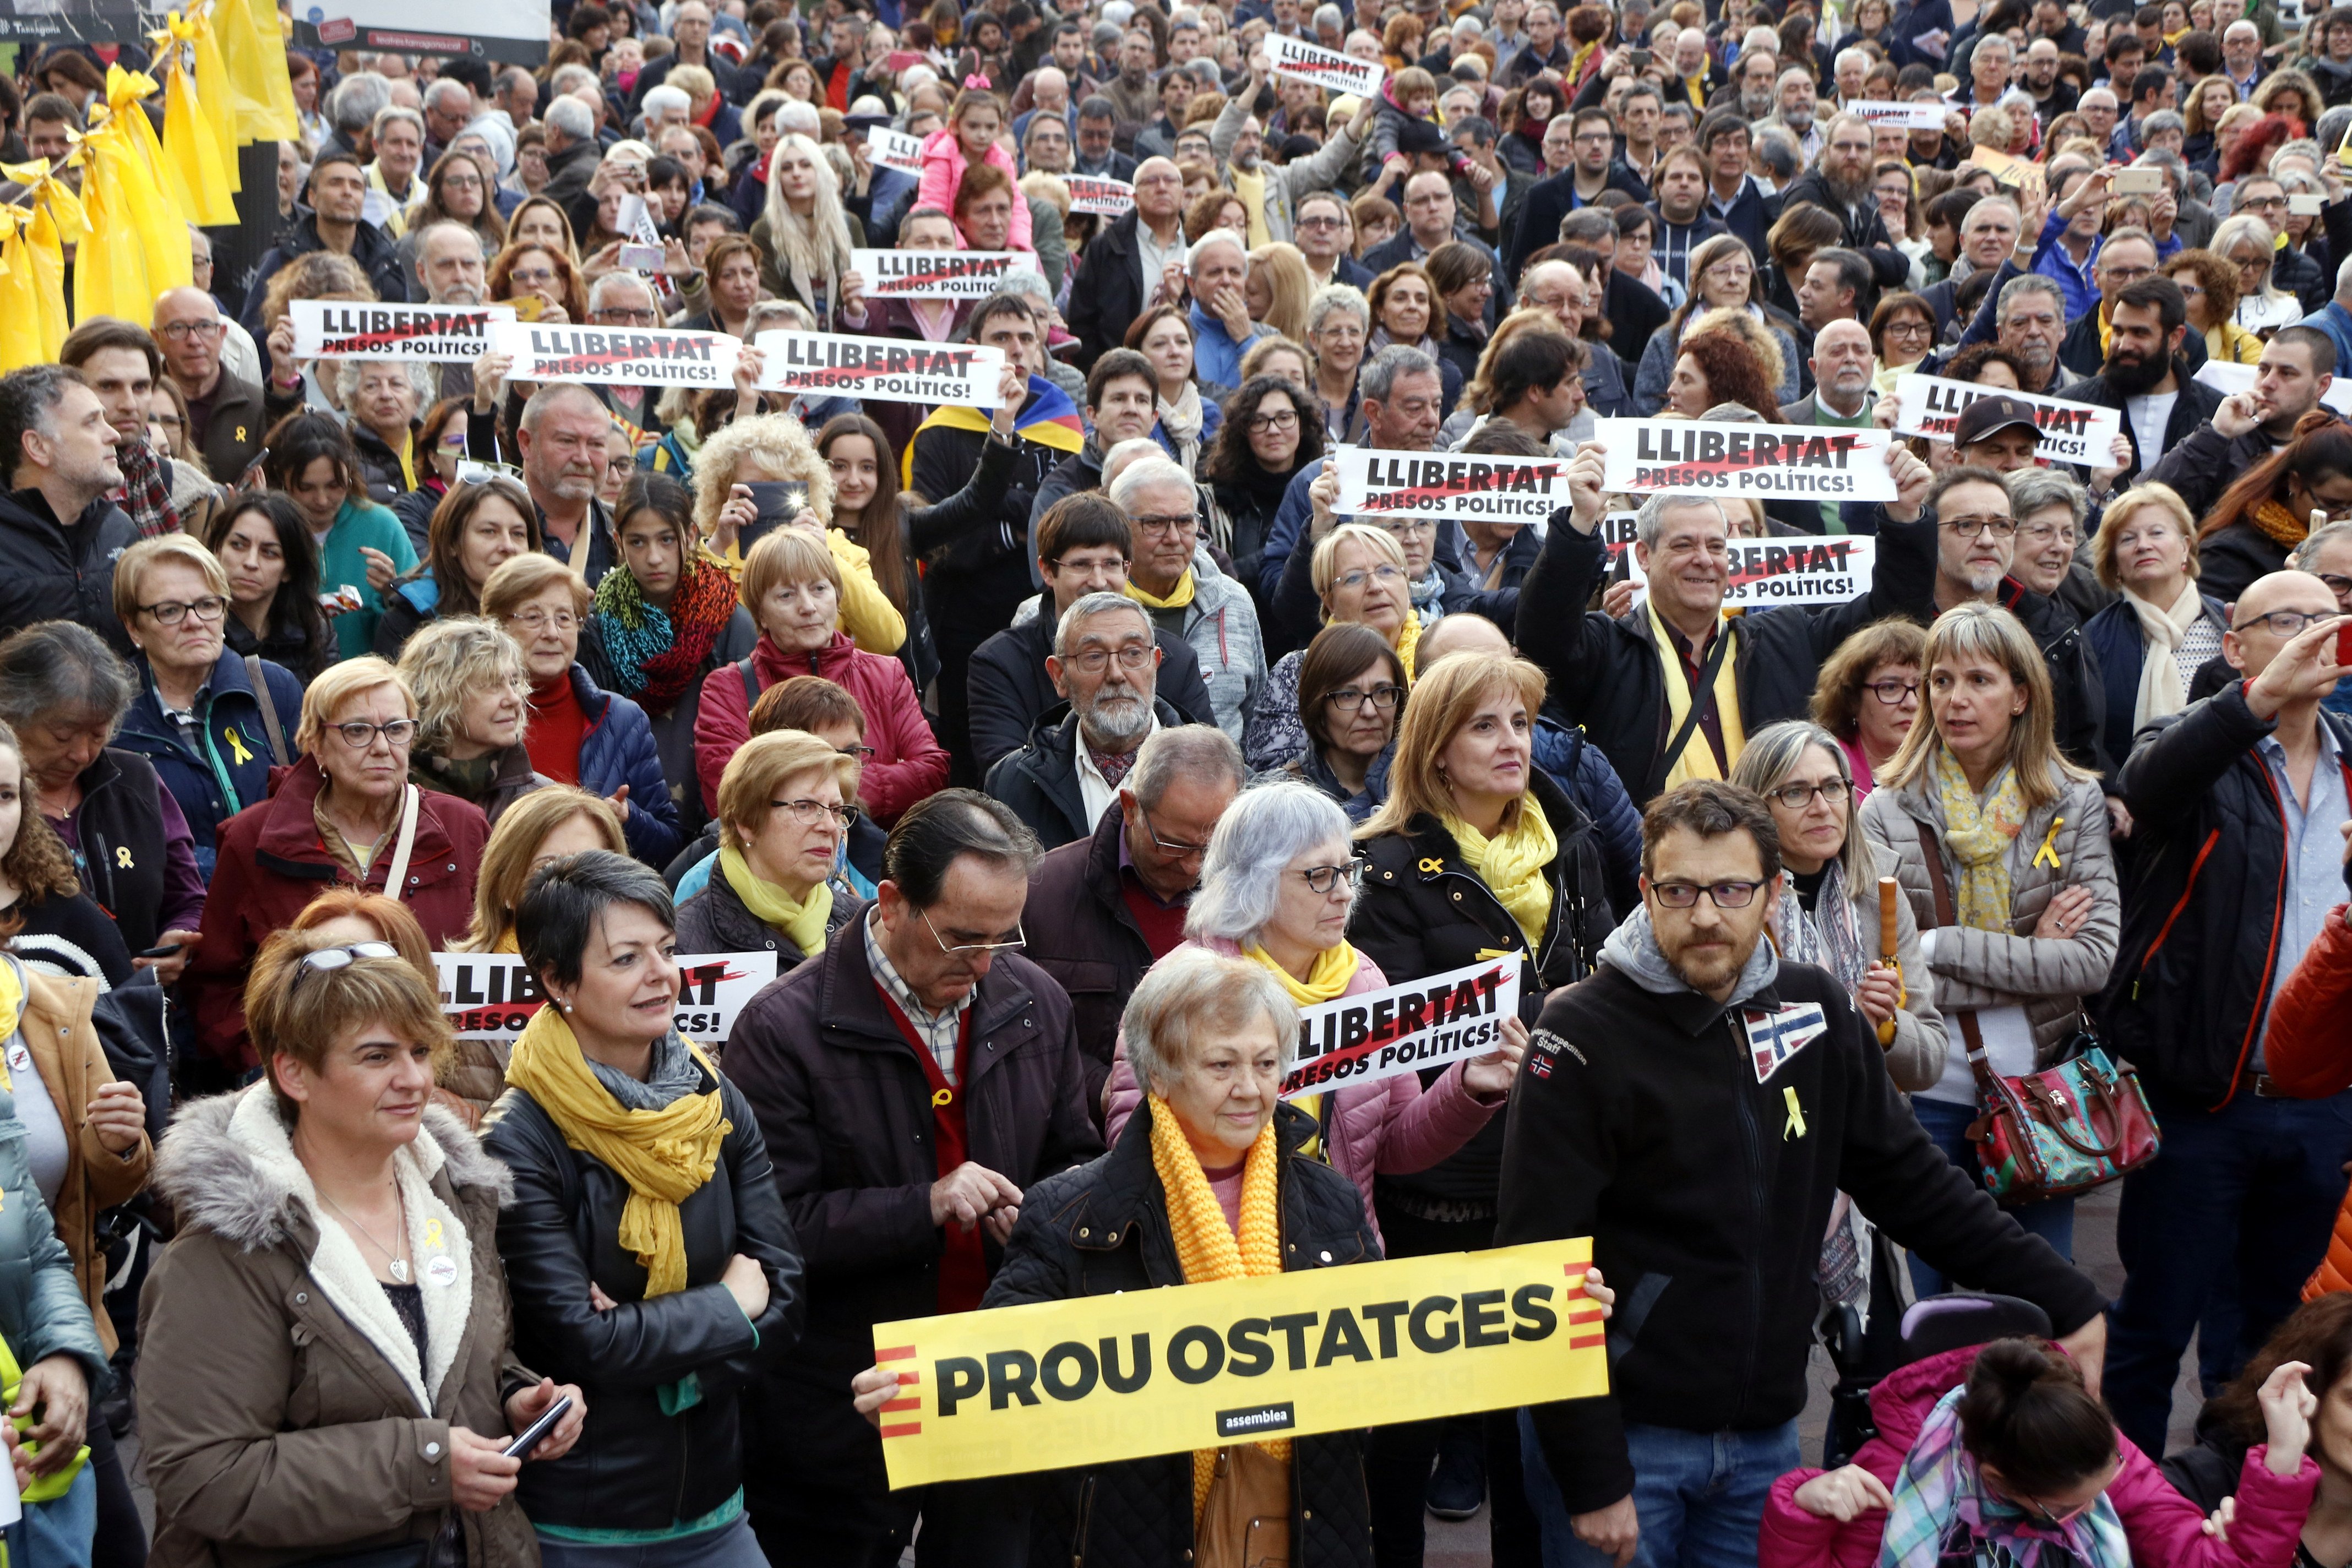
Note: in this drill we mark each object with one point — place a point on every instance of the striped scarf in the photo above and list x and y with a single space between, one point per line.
656 655
1943 1513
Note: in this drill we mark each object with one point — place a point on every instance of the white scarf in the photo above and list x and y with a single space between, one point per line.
2161 690
1182 421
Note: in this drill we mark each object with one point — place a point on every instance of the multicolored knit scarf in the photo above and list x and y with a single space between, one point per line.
2275 522
656 655
1944 1513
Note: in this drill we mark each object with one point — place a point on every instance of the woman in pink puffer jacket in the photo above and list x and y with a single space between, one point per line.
974 121
1937 1463
1255 900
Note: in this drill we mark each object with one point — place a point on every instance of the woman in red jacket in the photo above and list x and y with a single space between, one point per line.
791 586
343 816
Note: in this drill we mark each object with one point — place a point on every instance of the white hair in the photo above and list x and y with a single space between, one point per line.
660 101
442 87
1220 234
1133 448
572 116
1156 1030
1156 471
797 117
347 378
1260 834
605 286
1089 605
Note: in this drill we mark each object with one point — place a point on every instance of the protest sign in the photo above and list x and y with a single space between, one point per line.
2071 432
37 24
630 356
1772 462
1375 484
895 149
1617 533
2231 379
338 329
1430 1023
1929 116
492 995
1099 1379
1302 62
1095 193
892 370
513 32
937 274
1813 571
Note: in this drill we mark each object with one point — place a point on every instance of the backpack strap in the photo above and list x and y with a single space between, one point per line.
268 710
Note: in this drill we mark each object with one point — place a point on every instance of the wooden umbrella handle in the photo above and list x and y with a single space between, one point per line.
1888 939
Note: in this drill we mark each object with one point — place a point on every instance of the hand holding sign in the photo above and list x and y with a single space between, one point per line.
1913 479
1585 489
1012 391
1489 1077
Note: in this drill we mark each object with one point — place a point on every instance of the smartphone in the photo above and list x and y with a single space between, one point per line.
641 259
2343 648
168 949
521 1447
526 307
1641 59
2137 183
778 501
2302 204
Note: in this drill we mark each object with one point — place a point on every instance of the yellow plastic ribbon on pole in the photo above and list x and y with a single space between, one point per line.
20 331
57 220
192 153
139 245
215 95
254 56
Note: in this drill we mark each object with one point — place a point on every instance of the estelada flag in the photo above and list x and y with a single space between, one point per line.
1051 420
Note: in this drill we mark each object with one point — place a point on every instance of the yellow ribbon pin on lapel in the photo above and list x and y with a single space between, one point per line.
2050 844
1796 1127
236 744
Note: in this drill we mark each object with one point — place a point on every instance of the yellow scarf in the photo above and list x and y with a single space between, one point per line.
1250 185
507 942
804 922
1206 1247
665 1155
1512 866
1409 640
1979 837
12 1012
1334 972
1698 761
2276 521
1178 598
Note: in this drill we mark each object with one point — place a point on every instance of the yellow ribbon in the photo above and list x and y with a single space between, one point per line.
57 221
197 166
2050 844
138 246
254 57
1796 1125
236 745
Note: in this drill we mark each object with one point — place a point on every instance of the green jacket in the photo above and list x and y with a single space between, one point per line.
361 522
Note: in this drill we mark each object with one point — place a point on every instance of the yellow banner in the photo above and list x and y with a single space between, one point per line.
1061 1384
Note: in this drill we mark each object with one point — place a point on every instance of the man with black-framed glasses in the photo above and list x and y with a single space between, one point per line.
914 1079
227 416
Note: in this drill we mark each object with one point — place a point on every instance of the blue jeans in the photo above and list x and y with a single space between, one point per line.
2244 1195
1945 1124
731 1545
57 1533
1700 1495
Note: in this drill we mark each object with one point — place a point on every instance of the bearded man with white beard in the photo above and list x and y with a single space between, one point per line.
1839 182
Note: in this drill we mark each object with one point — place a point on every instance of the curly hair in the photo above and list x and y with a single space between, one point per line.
2319 1335
571 294
39 861
1969 363
776 444
317 275
445 662
2218 278
2252 152
1229 456
1740 359
1201 216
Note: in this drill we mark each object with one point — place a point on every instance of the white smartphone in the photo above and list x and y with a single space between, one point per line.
2138 181
2302 204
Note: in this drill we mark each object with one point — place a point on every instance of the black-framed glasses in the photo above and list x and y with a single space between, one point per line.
1723 895
172 612
809 813
2287 622
1280 419
1094 660
1382 698
2340 586
1176 522
864 754
327 960
359 734
1893 693
1020 940
181 332
1971 526
1175 846
1324 879
1797 796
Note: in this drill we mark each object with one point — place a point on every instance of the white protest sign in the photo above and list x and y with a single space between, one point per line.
1302 62
1095 193
643 251
1430 1023
630 356
492 995
1927 116
2071 432
336 329
1810 571
891 370
2230 379
1770 462
937 274
1617 533
1375 484
895 149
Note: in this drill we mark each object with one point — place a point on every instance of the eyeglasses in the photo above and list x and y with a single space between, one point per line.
1094 660
809 813
1315 223
2340 586
1893 692
1910 329
1410 527
864 754
627 463
615 317
1351 581
1173 524
1382 698
181 332
360 735
1724 895
532 277
1285 419
1797 796
1019 940
540 620
172 612
2123 275
327 960
1324 879
1173 847
1973 527
2286 622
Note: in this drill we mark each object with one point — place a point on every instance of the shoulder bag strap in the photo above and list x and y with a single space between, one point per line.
1979 1065
396 878
1702 698
268 710
751 683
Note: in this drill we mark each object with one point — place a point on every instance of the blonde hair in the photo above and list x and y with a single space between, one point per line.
817 246
291 1012
778 445
337 684
445 661
1284 267
514 843
754 773
2162 497
1990 633
522 578
786 555
1445 697
132 567
1324 566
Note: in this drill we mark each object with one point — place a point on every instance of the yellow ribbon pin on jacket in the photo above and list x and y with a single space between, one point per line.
2050 844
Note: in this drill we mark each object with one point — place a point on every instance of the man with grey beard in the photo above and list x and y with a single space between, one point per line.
449 263
1839 183
1106 665
1759 75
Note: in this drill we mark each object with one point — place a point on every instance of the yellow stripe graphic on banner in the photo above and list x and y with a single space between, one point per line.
1058 1385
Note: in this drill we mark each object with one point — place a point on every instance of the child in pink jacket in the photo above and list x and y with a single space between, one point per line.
1952 1462
974 120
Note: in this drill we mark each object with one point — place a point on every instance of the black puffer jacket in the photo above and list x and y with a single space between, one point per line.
2191 982
50 571
654 1452
1424 911
715 920
1103 1228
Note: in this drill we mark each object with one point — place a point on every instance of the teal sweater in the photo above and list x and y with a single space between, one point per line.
361 523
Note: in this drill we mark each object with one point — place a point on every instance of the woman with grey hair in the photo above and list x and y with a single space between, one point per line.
472 707
64 691
1339 324
1277 888
383 397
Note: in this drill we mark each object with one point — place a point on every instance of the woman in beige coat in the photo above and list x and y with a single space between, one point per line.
1985 820
325 1365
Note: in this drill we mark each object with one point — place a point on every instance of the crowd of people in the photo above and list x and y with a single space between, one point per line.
318 668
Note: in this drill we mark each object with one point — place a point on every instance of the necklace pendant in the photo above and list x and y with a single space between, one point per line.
400 1270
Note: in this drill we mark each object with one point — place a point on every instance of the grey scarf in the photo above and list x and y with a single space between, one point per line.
1633 950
